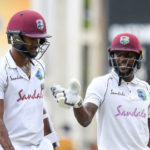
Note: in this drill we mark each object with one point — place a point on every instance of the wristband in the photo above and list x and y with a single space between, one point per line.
53 138
45 116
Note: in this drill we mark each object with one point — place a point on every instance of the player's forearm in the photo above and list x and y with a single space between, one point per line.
148 143
85 114
47 129
82 116
4 139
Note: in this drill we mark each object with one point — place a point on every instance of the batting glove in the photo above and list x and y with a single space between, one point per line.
68 97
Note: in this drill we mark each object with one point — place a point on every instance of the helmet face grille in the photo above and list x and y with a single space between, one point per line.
129 68
42 49
18 43
29 23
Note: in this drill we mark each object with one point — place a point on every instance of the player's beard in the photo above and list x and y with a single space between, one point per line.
31 52
123 71
126 74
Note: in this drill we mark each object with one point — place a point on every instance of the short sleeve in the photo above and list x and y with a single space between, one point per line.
96 90
149 112
148 88
3 81
149 101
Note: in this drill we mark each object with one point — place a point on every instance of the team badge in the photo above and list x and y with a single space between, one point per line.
124 40
141 94
40 24
39 75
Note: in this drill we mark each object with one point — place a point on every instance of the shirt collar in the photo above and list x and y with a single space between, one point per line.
12 63
115 75
10 60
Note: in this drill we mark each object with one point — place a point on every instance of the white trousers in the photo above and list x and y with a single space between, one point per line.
44 145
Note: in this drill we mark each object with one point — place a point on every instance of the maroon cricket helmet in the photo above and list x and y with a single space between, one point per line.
30 23
126 42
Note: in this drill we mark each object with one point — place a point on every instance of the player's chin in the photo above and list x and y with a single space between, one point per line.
126 72
123 69
33 51
33 54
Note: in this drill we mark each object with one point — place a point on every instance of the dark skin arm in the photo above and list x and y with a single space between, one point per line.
85 114
149 131
4 138
47 128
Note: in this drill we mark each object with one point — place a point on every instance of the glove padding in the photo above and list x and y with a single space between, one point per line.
68 97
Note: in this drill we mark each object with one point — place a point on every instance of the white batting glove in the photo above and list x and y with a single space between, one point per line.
68 97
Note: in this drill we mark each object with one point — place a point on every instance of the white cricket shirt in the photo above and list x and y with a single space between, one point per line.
23 101
123 112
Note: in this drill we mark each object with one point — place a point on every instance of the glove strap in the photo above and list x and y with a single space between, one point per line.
79 103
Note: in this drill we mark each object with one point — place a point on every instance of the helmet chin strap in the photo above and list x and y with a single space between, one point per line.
120 79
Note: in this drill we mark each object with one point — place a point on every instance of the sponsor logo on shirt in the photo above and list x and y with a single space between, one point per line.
16 78
117 93
133 113
34 95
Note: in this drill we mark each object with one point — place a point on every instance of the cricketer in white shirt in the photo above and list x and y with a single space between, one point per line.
120 100
123 112
23 105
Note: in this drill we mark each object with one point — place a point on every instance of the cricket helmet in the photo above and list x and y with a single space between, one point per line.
125 42
27 23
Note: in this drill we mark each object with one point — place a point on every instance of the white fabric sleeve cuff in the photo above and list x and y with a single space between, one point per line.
45 116
53 138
